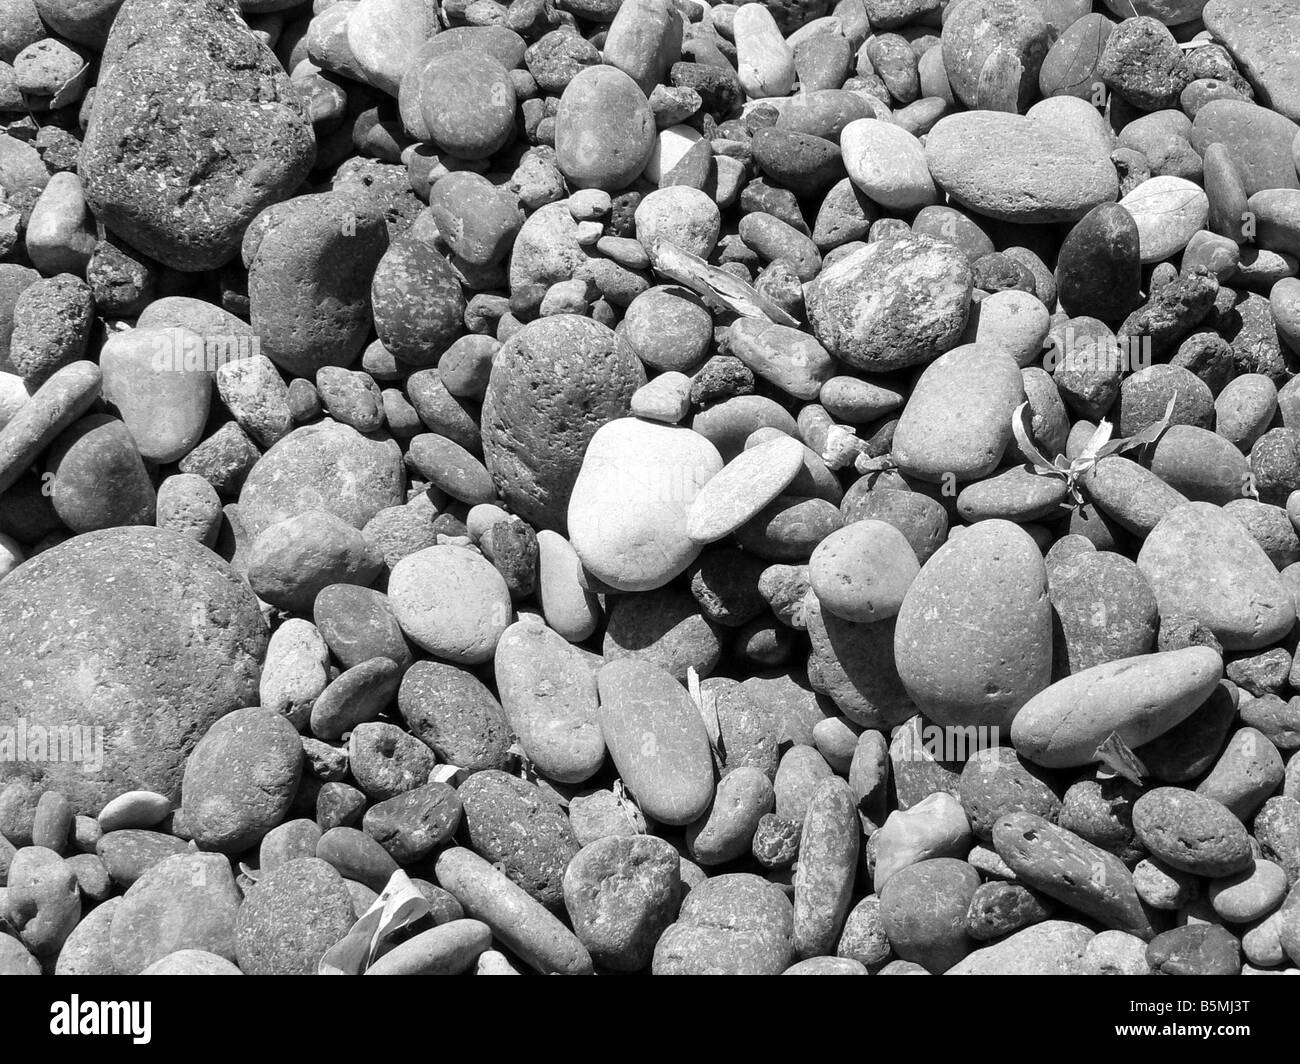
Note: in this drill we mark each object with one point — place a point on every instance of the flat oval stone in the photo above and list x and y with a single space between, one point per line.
743 487
1137 698
240 779
1168 211
160 671
64 397
1250 894
450 601
973 640
1202 563
604 129
1070 179
1053 947
887 163
97 477
657 739
455 715
862 571
891 304
629 507
1191 833
931 443
548 692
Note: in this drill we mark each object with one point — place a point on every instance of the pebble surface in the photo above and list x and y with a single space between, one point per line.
799 487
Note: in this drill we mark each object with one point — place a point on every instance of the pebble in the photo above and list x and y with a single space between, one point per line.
1053 947
1201 563
293 914
662 750
731 924
1191 833
923 909
961 658
1137 698
1168 212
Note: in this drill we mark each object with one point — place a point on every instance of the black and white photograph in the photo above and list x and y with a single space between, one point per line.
650 487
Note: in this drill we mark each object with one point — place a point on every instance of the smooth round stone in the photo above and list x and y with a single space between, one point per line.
193 212
923 909
1276 214
665 627
630 503
973 639
668 328
548 692
450 468
467 103
793 361
329 467
1137 698
293 560
887 164
1071 176
451 602
523 925
737 923
657 740
922 520
160 671
240 779
862 572
681 215
60 230
188 901
1168 212
931 443
1014 321
604 129
452 712
509 822
417 302
356 857
742 488
189 505
1256 35
384 37
97 478
858 402
1201 563
1250 894
891 304
621 892
358 624
478 223
995 782
1016 494
1245 408
291 917
1053 947
1191 833
1201 464
553 384
1098 273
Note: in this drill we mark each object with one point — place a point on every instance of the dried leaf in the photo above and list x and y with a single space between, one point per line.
399 905
1099 439
707 705
451 774
1022 428
712 283
253 874
1115 754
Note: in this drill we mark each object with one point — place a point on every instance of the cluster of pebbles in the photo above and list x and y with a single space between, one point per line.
809 486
